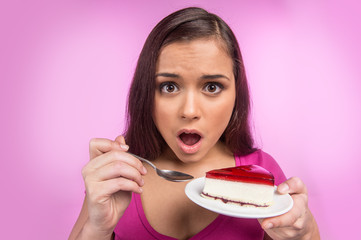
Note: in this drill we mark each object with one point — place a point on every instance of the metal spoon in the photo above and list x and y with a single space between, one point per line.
169 175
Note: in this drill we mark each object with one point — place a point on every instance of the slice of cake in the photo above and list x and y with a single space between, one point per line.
248 185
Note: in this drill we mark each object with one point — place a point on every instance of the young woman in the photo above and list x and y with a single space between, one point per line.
187 111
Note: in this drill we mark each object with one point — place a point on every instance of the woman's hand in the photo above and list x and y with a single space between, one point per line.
299 222
110 178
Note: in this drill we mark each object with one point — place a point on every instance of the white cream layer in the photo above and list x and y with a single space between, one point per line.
259 194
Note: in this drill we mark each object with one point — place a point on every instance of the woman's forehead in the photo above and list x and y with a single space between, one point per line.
202 54
216 41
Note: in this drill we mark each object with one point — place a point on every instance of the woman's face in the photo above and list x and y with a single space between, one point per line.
194 98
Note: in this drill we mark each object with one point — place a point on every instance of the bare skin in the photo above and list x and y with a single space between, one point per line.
110 177
299 222
187 216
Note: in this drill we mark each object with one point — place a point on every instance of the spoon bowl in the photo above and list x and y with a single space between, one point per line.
169 175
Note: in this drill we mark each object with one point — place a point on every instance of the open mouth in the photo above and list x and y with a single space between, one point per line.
189 138
189 141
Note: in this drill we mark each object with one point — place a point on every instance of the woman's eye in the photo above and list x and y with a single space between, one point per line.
213 88
168 87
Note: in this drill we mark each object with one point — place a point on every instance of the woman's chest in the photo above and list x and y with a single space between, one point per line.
171 213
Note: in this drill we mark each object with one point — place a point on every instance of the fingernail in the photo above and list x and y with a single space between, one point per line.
124 146
142 181
140 190
283 188
144 170
268 226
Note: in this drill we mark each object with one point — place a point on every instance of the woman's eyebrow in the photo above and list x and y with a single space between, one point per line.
205 77
170 75
214 76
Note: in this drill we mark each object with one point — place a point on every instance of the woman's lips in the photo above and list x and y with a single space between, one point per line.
189 141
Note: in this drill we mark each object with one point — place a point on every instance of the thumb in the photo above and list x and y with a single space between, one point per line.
121 141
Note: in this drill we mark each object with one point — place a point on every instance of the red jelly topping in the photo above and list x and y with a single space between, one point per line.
247 173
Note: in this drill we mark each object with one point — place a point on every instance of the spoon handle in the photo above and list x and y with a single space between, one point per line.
144 160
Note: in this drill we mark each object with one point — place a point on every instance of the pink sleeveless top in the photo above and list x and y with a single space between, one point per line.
134 224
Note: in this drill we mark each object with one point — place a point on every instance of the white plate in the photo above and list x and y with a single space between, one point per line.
281 203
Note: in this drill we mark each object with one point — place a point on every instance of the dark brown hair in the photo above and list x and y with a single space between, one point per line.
187 24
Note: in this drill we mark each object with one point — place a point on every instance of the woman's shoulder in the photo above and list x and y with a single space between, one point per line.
258 157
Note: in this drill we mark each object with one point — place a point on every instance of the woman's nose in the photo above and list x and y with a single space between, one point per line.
190 108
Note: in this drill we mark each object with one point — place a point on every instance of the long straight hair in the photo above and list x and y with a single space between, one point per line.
187 24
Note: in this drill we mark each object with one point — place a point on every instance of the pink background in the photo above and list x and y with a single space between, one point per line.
65 71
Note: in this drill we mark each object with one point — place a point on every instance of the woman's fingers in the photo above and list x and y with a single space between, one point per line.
118 169
112 169
111 150
109 176
115 155
293 185
286 220
98 146
101 191
123 184
120 139
298 191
